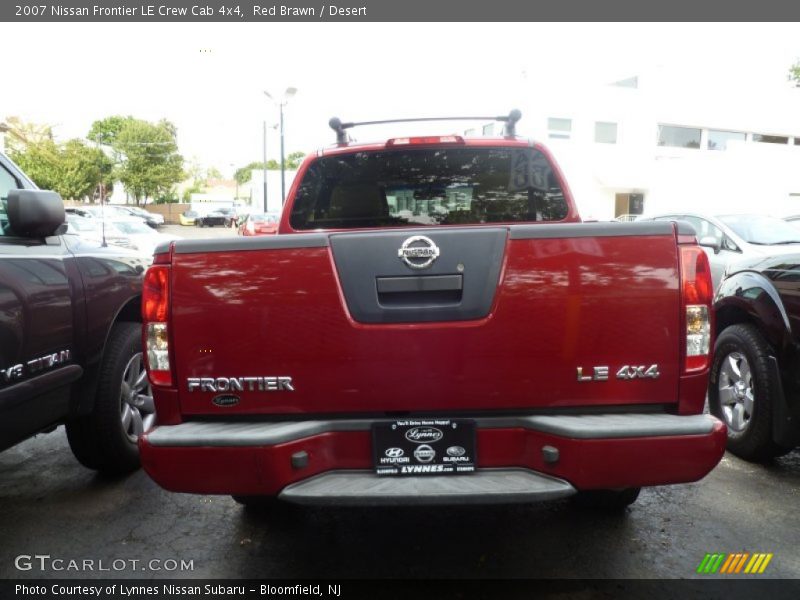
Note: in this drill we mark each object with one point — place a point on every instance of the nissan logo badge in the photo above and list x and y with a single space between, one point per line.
418 252
424 453
424 435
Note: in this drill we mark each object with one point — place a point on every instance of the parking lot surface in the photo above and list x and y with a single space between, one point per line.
51 505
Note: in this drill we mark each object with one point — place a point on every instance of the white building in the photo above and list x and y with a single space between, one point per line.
660 142
256 188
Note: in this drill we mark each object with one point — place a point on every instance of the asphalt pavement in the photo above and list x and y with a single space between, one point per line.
51 505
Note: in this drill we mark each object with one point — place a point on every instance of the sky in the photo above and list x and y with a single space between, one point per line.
209 79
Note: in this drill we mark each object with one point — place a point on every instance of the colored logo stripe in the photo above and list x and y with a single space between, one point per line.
740 562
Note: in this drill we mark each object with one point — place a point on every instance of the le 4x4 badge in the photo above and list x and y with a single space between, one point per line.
626 372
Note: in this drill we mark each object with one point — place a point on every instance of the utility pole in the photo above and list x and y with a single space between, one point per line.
265 166
290 91
283 162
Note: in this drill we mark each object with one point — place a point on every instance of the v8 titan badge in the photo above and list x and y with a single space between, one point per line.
424 446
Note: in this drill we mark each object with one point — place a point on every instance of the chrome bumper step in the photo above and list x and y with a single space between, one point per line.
485 486
601 426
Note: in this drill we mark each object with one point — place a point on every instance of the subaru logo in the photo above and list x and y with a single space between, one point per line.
394 452
424 453
421 435
456 451
418 252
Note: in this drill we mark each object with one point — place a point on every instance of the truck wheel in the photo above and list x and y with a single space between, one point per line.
742 390
106 439
607 500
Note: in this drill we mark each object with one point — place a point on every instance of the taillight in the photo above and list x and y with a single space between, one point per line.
430 139
155 314
697 291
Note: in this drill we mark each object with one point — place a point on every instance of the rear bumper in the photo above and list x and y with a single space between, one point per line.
515 458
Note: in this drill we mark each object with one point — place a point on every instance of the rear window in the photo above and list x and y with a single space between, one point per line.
430 186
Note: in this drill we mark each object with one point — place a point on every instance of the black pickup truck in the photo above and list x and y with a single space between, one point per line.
755 377
70 332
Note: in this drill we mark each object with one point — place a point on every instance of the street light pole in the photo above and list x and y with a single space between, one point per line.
290 91
283 163
265 166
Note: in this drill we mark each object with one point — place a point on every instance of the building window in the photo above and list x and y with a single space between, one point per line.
605 133
718 140
770 139
559 129
678 137
797 141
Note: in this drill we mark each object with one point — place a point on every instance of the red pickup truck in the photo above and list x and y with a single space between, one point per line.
433 323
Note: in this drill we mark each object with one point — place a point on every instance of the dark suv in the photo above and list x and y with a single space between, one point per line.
755 377
70 333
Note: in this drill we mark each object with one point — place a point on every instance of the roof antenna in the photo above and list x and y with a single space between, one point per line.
511 122
336 124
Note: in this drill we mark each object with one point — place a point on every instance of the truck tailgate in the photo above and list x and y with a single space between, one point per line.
502 319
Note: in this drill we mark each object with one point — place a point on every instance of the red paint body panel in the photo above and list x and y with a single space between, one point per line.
586 464
560 304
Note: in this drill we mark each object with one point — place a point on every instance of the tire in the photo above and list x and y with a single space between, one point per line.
744 399
106 439
607 500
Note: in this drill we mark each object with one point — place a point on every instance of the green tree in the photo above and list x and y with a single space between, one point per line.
794 73
150 163
197 187
243 175
39 160
21 133
82 170
293 161
72 169
105 131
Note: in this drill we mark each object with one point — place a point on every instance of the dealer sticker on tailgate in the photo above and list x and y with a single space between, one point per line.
424 446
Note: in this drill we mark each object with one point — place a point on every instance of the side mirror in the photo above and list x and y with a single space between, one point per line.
35 213
710 241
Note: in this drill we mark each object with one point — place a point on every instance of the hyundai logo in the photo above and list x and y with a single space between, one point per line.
421 435
394 452
424 453
418 252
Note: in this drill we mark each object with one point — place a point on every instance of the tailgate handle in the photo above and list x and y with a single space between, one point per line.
420 292
429 283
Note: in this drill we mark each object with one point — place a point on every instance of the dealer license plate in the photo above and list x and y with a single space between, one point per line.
424 447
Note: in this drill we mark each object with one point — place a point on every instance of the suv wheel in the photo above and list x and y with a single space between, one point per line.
742 390
106 439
